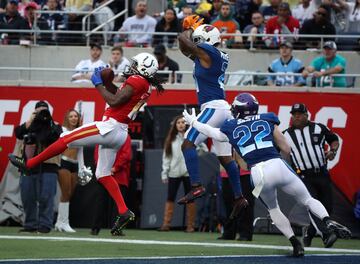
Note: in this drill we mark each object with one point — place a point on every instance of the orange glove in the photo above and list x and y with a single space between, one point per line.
197 24
189 21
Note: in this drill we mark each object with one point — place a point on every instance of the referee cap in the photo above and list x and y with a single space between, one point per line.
301 108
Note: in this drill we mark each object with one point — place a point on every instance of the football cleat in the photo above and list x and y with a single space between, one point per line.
308 236
329 239
196 192
340 230
298 249
19 163
121 221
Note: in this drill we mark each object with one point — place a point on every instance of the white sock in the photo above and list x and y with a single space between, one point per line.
281 222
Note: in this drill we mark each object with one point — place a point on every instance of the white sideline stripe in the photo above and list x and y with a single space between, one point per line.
177 243
172 257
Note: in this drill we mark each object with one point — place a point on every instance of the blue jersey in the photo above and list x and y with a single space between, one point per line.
253 137
294 66
209 82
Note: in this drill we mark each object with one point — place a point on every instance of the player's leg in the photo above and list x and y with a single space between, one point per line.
192 138
267 176
57 147
318 215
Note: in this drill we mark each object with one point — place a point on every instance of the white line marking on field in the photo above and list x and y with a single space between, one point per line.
170 257
178 243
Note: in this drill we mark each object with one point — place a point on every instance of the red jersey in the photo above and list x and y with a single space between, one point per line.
126 112
273 27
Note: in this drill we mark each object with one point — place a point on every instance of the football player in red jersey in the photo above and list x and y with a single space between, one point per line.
110 133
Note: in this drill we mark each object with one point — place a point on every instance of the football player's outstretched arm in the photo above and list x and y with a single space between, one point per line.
281 142
205 129
191 50
121 97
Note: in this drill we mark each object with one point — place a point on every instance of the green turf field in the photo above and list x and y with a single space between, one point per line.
142 243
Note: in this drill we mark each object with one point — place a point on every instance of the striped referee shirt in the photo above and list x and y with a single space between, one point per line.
307 145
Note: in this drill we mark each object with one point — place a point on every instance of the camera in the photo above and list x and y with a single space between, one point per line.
40 129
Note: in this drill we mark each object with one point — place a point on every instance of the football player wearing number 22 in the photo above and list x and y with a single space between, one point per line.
256 137
200 43
110 133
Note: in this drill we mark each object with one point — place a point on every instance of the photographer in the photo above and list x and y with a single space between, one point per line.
38 186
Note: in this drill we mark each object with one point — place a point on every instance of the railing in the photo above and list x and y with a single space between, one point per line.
228 74
251 42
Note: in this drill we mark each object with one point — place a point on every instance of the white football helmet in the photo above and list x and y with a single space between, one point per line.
144 64
206 34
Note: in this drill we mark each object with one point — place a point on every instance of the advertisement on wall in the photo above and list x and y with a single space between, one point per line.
336 110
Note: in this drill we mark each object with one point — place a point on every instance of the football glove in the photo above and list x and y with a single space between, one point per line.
96 76
189 118
192 21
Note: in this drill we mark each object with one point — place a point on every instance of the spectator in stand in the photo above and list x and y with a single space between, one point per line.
338 15
104 14
271 10
166 64
286 63
11 19
319 25
353 16
168 23
283 23
85 68
186 11
203 9
41 24
304 10
121 172
257 27
215 11
118 63
137 25
74 20
55 20
244 10
178 6
225 23
324 66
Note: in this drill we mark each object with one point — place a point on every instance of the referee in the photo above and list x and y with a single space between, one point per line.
309 158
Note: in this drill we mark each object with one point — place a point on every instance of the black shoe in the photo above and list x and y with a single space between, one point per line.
19 163
121 221
28 230
329 239
95 231
121 233
44 230
239 204
340 230
196 192
307 237
298 249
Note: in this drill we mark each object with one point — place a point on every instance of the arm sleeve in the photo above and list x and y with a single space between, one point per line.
165 166
330 136
210 131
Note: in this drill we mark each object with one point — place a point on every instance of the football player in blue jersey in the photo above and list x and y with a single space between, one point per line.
199 43
257 138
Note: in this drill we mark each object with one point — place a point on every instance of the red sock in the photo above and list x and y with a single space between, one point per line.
113 189
54 149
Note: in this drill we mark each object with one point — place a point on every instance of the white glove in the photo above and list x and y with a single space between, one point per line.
189 118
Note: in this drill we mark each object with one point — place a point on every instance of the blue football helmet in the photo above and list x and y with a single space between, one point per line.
244 104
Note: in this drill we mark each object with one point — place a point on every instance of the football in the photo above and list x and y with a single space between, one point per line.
107 75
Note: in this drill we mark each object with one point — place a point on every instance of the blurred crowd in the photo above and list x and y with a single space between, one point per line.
141 29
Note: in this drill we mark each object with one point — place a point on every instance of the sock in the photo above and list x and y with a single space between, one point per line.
54 149
234 177
192 165
113 189
281 222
